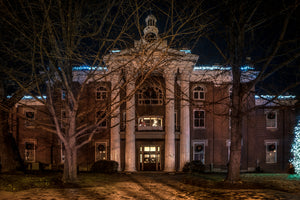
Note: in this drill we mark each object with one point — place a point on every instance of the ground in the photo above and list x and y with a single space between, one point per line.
149 186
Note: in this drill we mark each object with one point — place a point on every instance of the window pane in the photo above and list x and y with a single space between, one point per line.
201 95
195 95
196 123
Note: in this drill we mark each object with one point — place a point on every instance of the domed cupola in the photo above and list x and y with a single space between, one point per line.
150 31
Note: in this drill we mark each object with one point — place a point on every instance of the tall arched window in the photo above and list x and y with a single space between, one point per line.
199 93
101 93
150 96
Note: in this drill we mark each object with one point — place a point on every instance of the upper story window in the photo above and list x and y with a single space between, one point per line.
101 116
271 119
150 123
150 96
199 119
101 93
29 118
199 93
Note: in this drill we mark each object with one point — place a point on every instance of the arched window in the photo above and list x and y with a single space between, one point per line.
101 93
150 96
199 93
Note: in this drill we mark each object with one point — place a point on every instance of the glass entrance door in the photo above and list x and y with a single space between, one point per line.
149 158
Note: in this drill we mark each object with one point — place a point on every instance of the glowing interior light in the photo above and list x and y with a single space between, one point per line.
186 50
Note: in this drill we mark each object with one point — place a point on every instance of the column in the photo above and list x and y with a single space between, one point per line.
115 150
169 123
130 127
184 121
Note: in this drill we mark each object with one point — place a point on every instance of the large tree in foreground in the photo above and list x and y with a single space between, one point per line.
54 37
264 31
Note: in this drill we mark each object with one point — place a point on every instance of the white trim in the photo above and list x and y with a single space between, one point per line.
275 120
28 123
200 155
101 153
204 121
271 153
27 152
204 90
103 94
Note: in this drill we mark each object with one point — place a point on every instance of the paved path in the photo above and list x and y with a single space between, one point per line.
143 186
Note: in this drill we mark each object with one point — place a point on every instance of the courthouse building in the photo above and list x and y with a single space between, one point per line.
175 111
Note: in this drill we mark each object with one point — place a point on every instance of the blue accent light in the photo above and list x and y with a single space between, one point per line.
185 51
280 97
88 68
27 97
244 68
211 67
115 51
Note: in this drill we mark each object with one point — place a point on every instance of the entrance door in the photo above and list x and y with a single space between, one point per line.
149 158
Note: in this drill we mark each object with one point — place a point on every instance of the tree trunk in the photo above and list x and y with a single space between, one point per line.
9 154
70 165
235 151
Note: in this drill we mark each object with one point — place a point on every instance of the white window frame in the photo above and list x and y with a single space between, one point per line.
194 119
99 154
143 126
101 93
200 154
143 101
199 92
62 152
27 151
104 123
29 123
269 122
271 155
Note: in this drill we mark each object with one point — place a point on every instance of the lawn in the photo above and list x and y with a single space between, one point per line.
281 182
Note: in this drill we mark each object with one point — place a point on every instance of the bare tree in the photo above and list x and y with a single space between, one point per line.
55 37
264 31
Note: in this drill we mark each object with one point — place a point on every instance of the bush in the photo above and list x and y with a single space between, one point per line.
105 166
194 166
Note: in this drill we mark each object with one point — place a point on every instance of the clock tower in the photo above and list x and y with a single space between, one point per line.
150 31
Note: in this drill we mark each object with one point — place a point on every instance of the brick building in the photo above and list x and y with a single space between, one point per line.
175 112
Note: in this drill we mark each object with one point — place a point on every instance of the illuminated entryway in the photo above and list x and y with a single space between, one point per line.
149 158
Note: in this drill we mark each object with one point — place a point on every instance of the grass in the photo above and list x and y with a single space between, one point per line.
282 182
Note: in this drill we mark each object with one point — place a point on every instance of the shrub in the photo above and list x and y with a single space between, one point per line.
105 166
194 166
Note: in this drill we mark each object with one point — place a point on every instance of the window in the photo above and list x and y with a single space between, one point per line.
30 151
199 151
62 152
101 116
199 118
199 93
150 96
100 151
101 93
29 118
150 123
271 119
63 118
63 94
271 152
